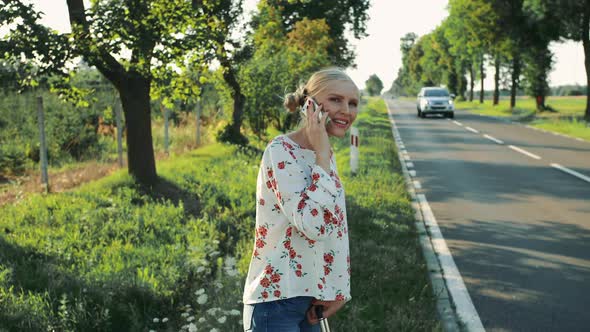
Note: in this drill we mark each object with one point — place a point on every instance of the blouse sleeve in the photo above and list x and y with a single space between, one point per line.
308 202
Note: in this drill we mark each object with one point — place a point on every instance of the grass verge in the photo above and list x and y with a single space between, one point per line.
566 119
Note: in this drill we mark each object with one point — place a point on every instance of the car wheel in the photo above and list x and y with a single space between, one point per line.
451 115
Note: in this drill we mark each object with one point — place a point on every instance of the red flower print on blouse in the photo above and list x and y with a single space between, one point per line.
314 212
328 258
265 282
289 231
301 205
315 176
260 243
292 253
339 297
268 269
281 165
313 187
261 201
298 273
320 286
268 184
275 278
327 270
287 244
269 173
299 267
262 231
264 294
277 293
327 216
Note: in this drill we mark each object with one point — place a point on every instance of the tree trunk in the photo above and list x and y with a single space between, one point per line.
471 82
515 80
134 91
481 77
135 99
586 43
497 81
233 133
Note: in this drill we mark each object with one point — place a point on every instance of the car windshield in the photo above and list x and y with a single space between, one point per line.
436 93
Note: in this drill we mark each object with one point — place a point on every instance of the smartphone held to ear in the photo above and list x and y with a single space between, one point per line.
314 108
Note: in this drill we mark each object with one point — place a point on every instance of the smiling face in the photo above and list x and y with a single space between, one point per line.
340 99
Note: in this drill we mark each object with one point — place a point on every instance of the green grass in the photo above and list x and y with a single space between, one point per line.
567 118
112 256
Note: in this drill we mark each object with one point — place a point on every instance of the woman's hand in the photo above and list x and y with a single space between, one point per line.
330 308
317 135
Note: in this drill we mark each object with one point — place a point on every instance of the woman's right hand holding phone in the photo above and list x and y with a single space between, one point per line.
317 134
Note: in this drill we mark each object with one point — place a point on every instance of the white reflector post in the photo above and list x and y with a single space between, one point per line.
354 149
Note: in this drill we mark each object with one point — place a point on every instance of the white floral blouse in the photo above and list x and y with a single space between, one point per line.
301 243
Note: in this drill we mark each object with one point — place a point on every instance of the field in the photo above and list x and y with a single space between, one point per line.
566 119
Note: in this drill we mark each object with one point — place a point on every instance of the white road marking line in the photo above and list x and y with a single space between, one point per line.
457 289
571 172
493 139
472 130
412 173
457 123
534 156
410 165
417 185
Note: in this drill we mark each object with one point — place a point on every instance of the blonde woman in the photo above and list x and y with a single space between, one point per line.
301 256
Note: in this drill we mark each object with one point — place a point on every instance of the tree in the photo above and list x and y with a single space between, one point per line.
473 24
374 85
156 34
403 82
340 16
571 20
281 60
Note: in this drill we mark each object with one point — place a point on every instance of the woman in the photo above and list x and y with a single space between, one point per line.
301 256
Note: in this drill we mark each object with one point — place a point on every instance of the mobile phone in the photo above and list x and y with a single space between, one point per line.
315 107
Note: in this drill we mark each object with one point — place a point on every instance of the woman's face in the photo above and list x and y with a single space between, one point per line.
340 99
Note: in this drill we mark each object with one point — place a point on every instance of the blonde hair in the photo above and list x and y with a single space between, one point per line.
316 84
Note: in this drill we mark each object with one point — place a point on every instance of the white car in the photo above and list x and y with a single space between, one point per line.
435 101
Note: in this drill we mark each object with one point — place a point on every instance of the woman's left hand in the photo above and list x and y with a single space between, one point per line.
330 308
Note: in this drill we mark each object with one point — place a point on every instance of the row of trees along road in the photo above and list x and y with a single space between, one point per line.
513 35
159 47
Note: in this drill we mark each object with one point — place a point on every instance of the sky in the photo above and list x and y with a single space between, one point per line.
379 53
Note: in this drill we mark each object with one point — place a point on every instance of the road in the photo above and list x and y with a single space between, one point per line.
517 227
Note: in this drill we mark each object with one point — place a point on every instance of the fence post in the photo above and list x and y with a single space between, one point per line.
119 131
43 145
166 129
198 109
354 150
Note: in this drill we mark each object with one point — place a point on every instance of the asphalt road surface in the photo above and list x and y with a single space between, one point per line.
518 228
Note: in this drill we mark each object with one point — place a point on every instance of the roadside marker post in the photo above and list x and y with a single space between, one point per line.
354 150
43 145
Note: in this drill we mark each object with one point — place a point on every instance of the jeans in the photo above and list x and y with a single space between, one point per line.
279 316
